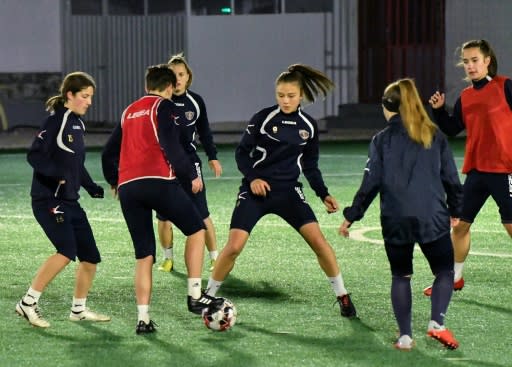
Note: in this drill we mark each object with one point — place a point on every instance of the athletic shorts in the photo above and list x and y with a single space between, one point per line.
198 199
439 254
67 227
139 198
478 186
290 204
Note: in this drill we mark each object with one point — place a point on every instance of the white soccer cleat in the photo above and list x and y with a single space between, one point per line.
88 315
32 314
405 343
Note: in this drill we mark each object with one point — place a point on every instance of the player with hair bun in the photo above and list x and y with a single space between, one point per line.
279 143
192 119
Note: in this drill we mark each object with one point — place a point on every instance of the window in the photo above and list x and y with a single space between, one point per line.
257 6
126 7
86 7
166 6
211 7
308 6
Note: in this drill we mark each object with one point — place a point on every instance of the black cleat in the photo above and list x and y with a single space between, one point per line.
143 328
346 306
204 303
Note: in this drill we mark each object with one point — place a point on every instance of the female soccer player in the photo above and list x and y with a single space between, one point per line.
484 110
279 143
410 164
192 119
140 161
57 156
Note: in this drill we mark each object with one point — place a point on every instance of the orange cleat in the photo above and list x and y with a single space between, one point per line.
444 336
457 286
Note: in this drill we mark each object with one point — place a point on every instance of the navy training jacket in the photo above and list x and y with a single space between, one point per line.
419 188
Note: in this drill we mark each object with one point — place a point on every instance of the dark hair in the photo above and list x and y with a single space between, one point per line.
73 82
312 82
486 50
159 77
404 98
180 59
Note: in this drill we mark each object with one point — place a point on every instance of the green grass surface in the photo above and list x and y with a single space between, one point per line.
285 304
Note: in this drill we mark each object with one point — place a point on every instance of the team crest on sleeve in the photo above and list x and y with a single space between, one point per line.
189 115
304 134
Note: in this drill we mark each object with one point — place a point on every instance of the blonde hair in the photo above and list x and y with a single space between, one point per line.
418 124
180 59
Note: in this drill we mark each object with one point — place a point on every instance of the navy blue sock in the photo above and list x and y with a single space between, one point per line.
442 291
401 300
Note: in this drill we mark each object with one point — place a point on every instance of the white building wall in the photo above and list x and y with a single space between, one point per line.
236 59
476 19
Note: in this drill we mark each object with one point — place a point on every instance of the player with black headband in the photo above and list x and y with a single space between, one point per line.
411 166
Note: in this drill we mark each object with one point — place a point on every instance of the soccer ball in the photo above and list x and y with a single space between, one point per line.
222 319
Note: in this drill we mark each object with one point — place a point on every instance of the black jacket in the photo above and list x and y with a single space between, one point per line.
419 188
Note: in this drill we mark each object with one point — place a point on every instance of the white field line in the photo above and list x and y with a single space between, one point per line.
355 234
359 235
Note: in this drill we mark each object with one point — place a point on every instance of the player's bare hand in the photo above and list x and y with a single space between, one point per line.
344 228
216 167
259 187
113 190
437 100
454 222
197 185
331 204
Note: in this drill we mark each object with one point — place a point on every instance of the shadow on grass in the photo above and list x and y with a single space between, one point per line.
363 345
488 307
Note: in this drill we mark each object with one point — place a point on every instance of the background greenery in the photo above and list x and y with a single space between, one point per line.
287 315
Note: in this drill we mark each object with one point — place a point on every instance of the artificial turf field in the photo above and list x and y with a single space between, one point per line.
286 311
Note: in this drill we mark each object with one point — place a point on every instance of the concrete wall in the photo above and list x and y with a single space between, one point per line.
30 36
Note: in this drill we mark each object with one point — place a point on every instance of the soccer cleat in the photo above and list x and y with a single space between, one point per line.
32 314
404 343
166 266
88 315
442 334
346 306
205 303
457 286
212 264
143 328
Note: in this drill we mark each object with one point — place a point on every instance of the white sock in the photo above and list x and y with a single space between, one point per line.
457 267
194 287
214 254
168 253
31 297
143 313
213 287
78 304
337 285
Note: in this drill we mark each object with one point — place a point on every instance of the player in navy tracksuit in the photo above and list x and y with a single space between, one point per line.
141 161
57 156
412 168
279 143
192 119
484 110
